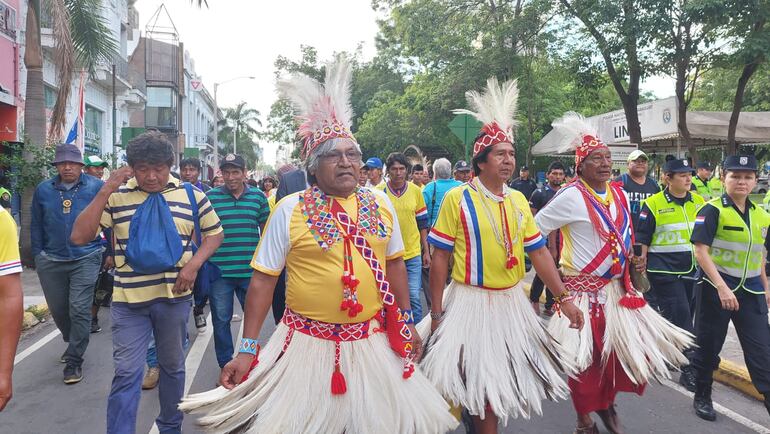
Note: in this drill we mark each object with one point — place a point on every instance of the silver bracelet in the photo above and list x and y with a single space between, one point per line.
436 316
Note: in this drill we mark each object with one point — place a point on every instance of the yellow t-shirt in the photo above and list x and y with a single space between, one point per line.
463 227
10 262
135 288
313 285
412 216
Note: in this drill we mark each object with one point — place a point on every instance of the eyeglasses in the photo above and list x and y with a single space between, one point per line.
335 157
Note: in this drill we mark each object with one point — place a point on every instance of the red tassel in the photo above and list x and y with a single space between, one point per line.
615 269
346 279
345 305
512 262
408 371
632 302
254 364
353 283
339 387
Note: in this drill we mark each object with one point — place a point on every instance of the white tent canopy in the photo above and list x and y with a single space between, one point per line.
659 120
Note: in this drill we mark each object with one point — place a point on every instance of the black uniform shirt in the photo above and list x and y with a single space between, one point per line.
525 186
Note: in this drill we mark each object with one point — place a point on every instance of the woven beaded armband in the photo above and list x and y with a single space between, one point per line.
248 346
407 316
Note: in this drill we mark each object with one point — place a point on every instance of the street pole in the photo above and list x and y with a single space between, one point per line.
216 129
216 116
235 138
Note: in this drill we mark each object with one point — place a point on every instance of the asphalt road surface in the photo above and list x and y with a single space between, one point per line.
42 403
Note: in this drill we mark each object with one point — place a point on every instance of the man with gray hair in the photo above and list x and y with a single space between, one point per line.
342 249
434 191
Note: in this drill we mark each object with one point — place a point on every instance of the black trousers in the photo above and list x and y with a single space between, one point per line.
672 296
750 321
537 290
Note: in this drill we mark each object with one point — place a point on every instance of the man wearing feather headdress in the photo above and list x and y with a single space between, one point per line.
489 352
331 365
627 342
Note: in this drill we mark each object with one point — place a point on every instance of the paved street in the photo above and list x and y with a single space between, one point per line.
81 408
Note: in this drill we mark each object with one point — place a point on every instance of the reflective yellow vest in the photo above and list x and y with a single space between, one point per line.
737 249
702 188
673 227
715 185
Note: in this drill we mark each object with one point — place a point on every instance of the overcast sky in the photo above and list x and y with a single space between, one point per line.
233 38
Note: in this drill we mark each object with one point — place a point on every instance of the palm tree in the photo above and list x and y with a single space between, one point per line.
238 127
82 40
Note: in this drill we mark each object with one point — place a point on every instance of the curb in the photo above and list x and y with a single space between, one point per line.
737 377
729 373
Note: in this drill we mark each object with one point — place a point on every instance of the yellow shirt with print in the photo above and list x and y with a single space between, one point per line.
138 289
463 227
10 262
412 215
313 285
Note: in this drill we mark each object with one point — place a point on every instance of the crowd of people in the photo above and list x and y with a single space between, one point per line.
640 281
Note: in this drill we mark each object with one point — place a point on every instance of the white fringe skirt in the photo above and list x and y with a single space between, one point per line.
492 352
289 392
645 344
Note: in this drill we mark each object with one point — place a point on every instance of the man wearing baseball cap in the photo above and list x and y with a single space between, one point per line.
637 184
243 211
462 171
95 166
374 165
67 271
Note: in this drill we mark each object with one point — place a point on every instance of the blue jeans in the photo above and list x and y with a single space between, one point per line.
221 301
414 274
132 329
152 352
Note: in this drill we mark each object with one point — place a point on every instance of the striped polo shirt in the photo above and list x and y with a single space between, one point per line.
243 219
142 289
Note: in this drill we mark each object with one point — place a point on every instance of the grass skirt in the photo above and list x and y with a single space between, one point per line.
290 392
644 343
492 352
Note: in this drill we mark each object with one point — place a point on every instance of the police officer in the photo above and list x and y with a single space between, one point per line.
665 224
701 182
730 238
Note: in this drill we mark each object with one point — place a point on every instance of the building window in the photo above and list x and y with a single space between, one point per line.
50 97
160 110
93 130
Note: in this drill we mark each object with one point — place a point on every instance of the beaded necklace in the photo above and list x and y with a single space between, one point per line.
505 237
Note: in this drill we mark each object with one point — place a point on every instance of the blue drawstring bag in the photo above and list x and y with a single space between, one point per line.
154 245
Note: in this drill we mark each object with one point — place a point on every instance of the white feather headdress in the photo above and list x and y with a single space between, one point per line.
323 110
496 110
576 134
571 128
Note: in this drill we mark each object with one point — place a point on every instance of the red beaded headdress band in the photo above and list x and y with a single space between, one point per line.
323 110
578 135
496 110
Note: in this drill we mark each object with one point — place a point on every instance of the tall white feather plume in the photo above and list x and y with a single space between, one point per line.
496 104
317 105
337 85
570 129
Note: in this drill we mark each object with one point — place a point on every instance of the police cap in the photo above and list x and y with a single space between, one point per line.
678 166
740 162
